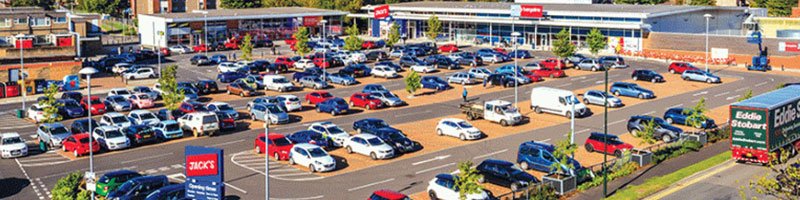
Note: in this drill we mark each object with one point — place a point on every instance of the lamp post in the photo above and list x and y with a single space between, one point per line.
205 28
514 36
22 69
708 18
324 55
605 139
266 154
88 71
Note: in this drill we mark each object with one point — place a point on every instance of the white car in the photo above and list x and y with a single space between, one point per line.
383 71
119 68
304 64
458 128
355 57
111 138
143 117
277 83
222 107
121 92
337 135
423 67
36 113
242 64
181 49
140 73
227 67
115 119
12 146
291 102
311 156
369 145
443 187
200 123
480 72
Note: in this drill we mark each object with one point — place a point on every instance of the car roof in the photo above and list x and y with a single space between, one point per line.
598 134
107 128
148 178
453 119
169 122
366 136
217 103
140 111
306 145
113 114
273 136
498 162
8 135
53 125
538 145
446 176
390 194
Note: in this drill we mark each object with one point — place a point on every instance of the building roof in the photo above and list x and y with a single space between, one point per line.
772 99
250 13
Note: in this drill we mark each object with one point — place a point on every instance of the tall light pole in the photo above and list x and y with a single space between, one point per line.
205 28
266 153
605 139
88 71
22 70
514 36
324 55
708 18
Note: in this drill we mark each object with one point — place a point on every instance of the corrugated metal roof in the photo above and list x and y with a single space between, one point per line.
625 8
772 99
277 11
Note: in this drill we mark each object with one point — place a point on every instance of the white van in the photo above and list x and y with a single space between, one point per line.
556 101
277 83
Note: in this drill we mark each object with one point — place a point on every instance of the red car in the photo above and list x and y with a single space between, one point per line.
553 63
318 96
78 144
98 108
290 41
550 72
365 101
279 146
388 195
321 63
191 106
613 144
200 48
283 60
532 76
680 67
368 44
165 52
500 50
448 48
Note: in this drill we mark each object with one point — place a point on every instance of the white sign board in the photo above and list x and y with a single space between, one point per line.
90 181
628 43
719 53
516 9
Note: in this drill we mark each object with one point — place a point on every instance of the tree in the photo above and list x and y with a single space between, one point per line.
171 95
111 7
277 3
562 47
695 114
467 182
780 8
703 2
434 27
247 47
50 105
747 95
562 153
352 42
647 134
394 35
67 187
413 82
46 4
301 45
782 182
236 4
596 41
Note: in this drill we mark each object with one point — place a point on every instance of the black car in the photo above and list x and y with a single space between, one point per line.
647 75
396 139
356 70
106 63
376 55
277 68
504 173
441 61
70 108
408 61
82 126
469 59
206 86
663 130
140 134
162 114
259 65
199 59
187 84
500 80
77 96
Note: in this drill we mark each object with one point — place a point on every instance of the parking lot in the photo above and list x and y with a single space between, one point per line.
358 175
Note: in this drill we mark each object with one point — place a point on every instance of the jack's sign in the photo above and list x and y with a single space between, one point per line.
381 12
205 173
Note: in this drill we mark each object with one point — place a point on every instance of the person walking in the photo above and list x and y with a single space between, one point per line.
273 50
234 56
464 93
484 81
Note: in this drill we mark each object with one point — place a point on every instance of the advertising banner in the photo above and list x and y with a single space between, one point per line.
531 11
788 46
381 12
204 173
312 20
719 53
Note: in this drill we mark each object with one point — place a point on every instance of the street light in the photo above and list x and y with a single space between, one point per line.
205 28
88 71
22 69
324 58
266 154
708 18
514 36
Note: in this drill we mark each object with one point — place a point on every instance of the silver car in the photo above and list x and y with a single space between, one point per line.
590 64
480 72
313 82
388 98
276 115
462 77
597 97
699 75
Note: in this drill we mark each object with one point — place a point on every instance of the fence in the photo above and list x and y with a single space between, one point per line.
679 57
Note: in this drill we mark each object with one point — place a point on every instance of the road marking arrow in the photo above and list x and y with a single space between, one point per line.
431 160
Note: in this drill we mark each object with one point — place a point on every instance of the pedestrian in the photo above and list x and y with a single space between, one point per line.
234 56
484 82
464 94
273 50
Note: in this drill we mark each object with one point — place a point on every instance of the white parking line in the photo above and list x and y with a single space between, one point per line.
720 94
431 159
489 154
434 168
587 80
304 198
227 143
616 122
649 113
236 188
675 106
732 97
700 93
146 158
742 89
564 85
284 170
15 127
582 131
293 174
369 185
761 84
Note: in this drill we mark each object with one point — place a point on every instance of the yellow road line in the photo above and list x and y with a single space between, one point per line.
680 185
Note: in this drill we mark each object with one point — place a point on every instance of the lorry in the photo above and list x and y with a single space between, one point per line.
766 124
498 111
557 101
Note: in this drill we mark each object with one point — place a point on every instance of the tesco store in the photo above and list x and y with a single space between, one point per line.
167 29
538 23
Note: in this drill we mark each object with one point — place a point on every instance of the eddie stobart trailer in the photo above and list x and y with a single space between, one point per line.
765 124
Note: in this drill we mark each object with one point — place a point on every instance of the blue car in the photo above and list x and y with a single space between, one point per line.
356 70
82 126
485 50
373 88
631 90
539 156
334 106
229 77
507 69
70 108
369 125
433 82
218 58
520 54
138 188
176 191
188 93
341 79
169 129
681 116
311 137
395 138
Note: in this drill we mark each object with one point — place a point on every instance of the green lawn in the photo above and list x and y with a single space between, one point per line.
656 184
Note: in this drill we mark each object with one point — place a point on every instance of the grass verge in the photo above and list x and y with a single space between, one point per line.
656 184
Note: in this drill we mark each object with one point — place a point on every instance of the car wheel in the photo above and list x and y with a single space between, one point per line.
568 114
311 168
589 148
432 195
462 137
318 109
349 149
373 156
594 69
367 107
351 104
635 78
248 107
333 113
291 161
616 93
685 78
241 94
708 81
654 80
503 123
635 132
537 109
666 138
585 101
63 148
514 187
152 76
618 153
258 150
253 117
641 96
195 132
672 71
669 120
523 165
439 132
277 157
229 92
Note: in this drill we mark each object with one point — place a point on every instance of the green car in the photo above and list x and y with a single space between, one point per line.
110 181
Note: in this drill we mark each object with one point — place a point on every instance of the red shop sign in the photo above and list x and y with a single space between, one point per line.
311 20
381 12
531 11
202 165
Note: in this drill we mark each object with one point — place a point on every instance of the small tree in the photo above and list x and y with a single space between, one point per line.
434 27
703 2
301 45
647 134
67 187
50 105
562 153
596 41
247 47
352 42
413 82
394 35
562 47
747 95
467 182
695 114
780 8
171 95
782 182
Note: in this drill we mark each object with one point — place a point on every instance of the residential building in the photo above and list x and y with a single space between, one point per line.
170 6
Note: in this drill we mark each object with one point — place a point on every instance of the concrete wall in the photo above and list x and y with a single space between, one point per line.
148 29
726 22
38 52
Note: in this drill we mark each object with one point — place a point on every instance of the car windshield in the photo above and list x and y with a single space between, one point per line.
334 130
144 89
508 108
209 119
186 90
317 152
396 135
639 88
113 134
117 99
59 130
464 125
84 140
123 92
147 116
325 95
280 80
690 65
96 101
375 141
172 127
119 119
127 186
574 99
71 104
388 95
281 142
224 107
143 96
12 140
614 141
339 102
274 109
661 122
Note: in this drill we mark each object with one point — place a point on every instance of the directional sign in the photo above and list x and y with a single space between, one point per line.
90 181
516 10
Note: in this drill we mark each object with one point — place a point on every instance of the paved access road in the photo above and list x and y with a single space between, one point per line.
245 178
724 181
